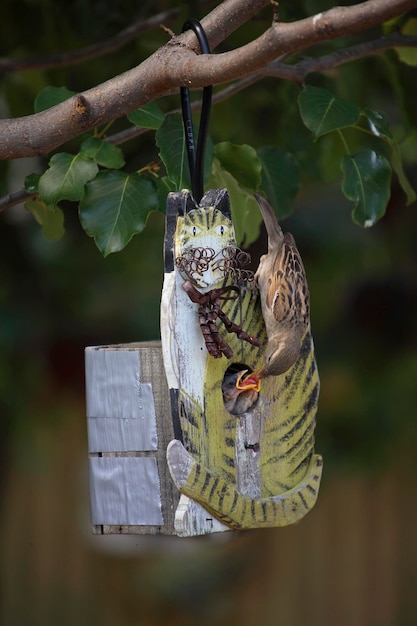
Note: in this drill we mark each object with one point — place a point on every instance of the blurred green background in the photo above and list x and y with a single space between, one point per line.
353 560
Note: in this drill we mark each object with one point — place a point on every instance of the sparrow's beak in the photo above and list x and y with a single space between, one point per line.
250 383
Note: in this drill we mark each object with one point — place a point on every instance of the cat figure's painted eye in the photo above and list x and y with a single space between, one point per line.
221 229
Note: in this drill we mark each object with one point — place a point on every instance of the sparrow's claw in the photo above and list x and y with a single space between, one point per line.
251 382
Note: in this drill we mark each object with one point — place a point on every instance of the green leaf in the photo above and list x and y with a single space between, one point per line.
103 152
408 55
241 203
367 182
172 150
66 177
242 162
379 126
322 112
280 178
149 116
163 187
51 220
50 96
32 182
115 207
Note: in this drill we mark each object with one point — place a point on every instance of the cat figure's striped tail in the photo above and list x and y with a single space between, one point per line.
227 504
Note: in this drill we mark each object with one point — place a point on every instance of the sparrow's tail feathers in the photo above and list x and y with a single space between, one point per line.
273 229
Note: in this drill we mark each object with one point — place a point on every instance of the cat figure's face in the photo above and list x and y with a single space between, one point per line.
201 235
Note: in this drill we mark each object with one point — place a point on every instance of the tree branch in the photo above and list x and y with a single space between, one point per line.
64 59
289 38
17 197
296 72
40 133
177 64
300 70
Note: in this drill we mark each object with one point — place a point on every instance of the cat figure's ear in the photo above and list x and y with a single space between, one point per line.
178 204
219 199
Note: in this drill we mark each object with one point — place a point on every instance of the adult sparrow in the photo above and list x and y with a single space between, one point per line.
285 300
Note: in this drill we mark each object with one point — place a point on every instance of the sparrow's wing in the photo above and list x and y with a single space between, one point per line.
288 295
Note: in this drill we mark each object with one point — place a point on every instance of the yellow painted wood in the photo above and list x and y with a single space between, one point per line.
258 469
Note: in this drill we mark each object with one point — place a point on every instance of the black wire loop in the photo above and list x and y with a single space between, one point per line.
196 155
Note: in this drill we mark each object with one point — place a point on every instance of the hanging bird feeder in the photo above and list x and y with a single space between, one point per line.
184 437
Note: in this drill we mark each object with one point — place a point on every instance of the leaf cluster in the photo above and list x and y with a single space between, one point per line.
367 172
114 204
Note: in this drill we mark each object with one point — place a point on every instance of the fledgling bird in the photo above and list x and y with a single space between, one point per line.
237 401
285 299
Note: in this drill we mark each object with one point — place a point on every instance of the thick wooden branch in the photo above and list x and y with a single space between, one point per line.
38 134
178 64
289 38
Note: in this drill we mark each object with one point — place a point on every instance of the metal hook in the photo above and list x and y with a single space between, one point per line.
196 157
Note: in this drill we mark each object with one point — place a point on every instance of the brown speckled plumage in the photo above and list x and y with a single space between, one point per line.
284 294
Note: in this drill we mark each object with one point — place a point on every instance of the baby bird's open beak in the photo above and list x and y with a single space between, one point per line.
251 382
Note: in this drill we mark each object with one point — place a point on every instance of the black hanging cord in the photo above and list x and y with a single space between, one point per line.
196 156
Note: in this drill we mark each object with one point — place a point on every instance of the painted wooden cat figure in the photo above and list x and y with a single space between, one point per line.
257 469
